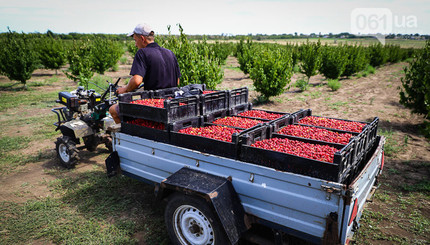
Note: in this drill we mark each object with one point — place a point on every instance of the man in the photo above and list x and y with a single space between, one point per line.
153 65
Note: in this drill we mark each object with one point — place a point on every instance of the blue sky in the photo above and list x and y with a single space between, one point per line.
212 17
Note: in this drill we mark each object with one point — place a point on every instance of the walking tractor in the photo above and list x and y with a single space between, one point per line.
84 115
227 171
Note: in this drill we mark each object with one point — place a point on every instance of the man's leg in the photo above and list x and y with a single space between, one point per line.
114 112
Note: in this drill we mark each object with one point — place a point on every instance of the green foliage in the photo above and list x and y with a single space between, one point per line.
334 60
80 60
18 58
334 84
197 66
356 60
105 54
302 84
271 72
416 84
394 53
51 53
132 49
311 58
244 54
377 55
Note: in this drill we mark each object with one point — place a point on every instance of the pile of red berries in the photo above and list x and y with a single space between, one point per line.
208 91
215 132
148 123
260 114
150 102
333 123
313 151
238 122
316 134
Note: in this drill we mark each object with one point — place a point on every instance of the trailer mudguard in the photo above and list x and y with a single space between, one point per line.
216 190
78 127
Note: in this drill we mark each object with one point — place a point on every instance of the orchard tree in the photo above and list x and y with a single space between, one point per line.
334 60
80 60
51 53
18 59
105 54
416 85
310 58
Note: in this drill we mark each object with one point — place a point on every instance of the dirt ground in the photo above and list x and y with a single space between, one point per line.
376 95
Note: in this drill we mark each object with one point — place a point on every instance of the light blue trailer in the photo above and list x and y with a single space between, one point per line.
313 209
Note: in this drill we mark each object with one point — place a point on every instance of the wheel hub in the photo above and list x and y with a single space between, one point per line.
64 153
192 226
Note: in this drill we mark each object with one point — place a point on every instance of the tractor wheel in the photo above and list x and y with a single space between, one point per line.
67 151
91 142
191 220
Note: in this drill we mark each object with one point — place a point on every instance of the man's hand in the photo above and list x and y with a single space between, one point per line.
121 90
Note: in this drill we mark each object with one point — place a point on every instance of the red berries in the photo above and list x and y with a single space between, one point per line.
150 102
313 151
148 124
316 134
208 91
260 114
215 132
333 123
238 122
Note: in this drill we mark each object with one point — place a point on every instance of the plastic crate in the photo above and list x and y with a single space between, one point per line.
145 132
165 93
174 109
340 170
238 96
214 102
210 118
239 109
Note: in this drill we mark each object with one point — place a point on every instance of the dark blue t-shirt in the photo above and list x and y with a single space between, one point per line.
158 67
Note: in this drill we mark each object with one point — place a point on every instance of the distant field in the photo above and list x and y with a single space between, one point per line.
404 43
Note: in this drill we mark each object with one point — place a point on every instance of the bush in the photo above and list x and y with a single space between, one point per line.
80 60
356 60
377 55
302 84
51 53
271 72
311 58
105 54
334 60
334 84
416 85
18 58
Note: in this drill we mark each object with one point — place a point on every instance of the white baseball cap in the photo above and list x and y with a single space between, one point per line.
141 29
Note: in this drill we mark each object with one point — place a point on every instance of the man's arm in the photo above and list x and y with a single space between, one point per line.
134 82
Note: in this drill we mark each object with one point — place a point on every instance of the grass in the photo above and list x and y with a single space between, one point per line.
334 84
392 145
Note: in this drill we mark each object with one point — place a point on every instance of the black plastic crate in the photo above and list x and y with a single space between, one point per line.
238 96
128 127
214 102
165 93
239 109
128 97
174 109
340 170
204 144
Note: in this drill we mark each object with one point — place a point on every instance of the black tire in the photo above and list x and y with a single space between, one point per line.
191 220
67 151
91 142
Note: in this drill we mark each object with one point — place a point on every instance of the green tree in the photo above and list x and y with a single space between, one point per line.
271 72
377 55
310 58
333 63
51 53
356 60
105 54
416 85
80 60
18 59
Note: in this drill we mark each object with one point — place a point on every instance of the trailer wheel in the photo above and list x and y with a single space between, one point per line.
190 220
67 151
